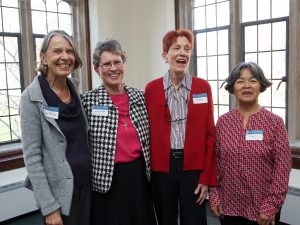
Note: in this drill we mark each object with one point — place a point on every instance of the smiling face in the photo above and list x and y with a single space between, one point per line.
111 70
178 55
247 88
59 57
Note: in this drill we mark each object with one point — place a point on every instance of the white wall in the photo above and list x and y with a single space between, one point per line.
139 26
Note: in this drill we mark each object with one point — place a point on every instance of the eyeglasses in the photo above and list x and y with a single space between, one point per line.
168 117
108 65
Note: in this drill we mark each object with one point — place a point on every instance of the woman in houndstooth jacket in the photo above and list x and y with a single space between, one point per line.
119 141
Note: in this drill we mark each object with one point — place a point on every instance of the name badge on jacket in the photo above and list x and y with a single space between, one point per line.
100 110
51 112
200 98
254 135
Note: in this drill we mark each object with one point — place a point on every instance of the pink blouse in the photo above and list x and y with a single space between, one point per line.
128 146
253 164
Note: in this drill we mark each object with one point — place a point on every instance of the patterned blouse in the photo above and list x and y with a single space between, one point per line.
253 164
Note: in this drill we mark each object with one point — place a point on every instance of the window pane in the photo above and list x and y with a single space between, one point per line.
251 39
52 21
279 112
13 75
201 44
223 109
1 27
64 7
280 8
199 18
3 103
201 67
264 37
11 3
279 36
223 95
212 68
264 61
39 22
216 113
15 127
38 43
278 64
11 20
65 23
264 98
223 65
51 5
264 9
248 10
11 49
211 16
223 14
212 43
252 57
14 99
4 129
210 2
278 98
214 90
199 3
2 76
223 42
2 59
38 5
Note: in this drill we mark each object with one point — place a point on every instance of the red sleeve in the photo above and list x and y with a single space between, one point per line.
208 175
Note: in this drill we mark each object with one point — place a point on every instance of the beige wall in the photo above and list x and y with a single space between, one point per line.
139 25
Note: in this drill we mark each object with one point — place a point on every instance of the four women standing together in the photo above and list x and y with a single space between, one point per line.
173 124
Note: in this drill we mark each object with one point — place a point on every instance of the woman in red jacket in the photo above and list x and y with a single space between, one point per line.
182 136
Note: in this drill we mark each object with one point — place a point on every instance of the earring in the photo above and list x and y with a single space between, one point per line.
46 66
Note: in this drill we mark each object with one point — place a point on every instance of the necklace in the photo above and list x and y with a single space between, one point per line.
125 124
68 98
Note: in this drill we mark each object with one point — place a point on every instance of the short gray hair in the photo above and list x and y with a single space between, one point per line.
45 45
108 45
256 72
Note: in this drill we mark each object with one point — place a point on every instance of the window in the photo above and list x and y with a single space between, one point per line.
211 28
23 25
264 38
10 71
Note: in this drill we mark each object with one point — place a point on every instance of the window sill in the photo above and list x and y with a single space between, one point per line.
11 157
295 146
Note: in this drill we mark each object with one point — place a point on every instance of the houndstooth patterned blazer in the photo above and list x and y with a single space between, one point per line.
103 133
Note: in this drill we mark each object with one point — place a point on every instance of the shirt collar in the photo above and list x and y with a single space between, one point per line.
186 81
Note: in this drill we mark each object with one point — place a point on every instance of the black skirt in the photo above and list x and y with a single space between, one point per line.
128 202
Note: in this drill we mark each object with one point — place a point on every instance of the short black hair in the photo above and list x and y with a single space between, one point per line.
255 70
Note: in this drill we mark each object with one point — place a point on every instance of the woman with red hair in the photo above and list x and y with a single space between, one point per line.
182 136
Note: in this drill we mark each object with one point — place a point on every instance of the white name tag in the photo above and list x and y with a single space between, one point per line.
200 98
100 110
51 112
254 135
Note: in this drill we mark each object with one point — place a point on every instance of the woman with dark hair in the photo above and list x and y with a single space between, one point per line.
119 141
182 136
253 155
54 136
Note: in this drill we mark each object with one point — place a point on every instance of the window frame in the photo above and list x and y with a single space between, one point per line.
11 154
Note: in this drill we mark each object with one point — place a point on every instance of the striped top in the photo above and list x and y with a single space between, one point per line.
177 101
253 164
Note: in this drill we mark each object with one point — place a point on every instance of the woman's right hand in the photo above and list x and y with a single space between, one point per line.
216 210
54 218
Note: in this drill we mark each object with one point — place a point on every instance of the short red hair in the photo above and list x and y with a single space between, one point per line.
171 37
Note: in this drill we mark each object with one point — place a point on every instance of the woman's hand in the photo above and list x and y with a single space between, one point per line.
54 218
202 191
265 220
216 210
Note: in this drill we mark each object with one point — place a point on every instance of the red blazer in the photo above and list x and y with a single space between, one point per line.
199 146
